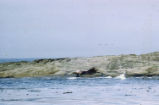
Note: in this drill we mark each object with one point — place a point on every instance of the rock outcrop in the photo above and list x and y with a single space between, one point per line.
131 65
92 72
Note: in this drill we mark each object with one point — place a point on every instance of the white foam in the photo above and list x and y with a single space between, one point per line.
104 77
122 77
72 78
108 77
149 77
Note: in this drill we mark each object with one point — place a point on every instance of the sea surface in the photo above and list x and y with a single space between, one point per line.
3 60
79 91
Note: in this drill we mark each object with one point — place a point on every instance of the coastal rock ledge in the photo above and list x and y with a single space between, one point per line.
131 65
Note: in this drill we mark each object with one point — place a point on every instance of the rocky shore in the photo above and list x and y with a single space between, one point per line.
131 65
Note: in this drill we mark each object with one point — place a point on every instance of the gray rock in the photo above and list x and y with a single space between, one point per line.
131 65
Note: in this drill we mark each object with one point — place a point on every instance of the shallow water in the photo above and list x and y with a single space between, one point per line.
79 91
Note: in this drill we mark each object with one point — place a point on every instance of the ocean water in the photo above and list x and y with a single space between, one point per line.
79 91
3 60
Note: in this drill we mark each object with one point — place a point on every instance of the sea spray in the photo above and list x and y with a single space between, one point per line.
122 77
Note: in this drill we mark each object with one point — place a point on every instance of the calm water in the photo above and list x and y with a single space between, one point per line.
79 91
3 60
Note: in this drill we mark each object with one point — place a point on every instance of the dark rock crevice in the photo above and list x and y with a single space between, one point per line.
51 60
91 71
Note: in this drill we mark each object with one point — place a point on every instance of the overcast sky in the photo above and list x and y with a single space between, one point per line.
73 28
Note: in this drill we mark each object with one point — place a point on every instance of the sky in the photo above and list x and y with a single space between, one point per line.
77 28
